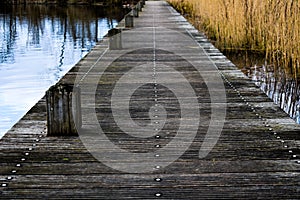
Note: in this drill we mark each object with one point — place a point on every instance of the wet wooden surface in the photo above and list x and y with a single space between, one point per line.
256 156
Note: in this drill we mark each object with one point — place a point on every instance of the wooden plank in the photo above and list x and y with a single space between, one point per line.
256 156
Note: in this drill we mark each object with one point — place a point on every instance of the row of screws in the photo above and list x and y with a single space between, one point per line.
23 158
276 135
157 167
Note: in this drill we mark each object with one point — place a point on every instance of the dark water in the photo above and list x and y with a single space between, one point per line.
281 85
39 44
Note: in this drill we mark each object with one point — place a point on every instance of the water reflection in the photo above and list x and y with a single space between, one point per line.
39 44
281 86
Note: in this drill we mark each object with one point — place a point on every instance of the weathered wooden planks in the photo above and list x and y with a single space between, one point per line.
256 156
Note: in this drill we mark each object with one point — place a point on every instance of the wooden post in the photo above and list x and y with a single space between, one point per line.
115 39
135 11
139 6
129 21
142 3
63 110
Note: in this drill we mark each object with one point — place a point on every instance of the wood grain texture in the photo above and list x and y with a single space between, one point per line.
256 156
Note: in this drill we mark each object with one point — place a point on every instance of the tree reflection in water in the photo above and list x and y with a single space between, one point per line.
38 45
278 83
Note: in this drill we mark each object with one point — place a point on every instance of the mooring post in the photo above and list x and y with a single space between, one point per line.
129 21
115 39
63 110
135 11
139 6
142 3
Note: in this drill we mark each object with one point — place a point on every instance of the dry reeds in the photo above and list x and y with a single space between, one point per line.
269 26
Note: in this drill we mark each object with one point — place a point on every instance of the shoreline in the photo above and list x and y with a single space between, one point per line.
66 2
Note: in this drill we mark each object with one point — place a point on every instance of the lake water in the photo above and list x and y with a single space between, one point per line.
280 86
39 44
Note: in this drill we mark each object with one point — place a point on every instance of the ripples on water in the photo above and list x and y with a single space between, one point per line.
39 44
281 85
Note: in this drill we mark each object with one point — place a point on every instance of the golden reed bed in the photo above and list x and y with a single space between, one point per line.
269 26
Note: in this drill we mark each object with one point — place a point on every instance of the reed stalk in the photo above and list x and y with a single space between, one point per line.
268 26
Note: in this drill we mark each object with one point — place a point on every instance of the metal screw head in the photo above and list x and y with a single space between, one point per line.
18 165
158 194
4 184
9 178
14 171
158 179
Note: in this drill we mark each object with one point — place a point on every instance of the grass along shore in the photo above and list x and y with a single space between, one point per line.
269 27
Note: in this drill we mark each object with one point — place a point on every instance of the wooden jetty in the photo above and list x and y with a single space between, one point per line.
255 156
